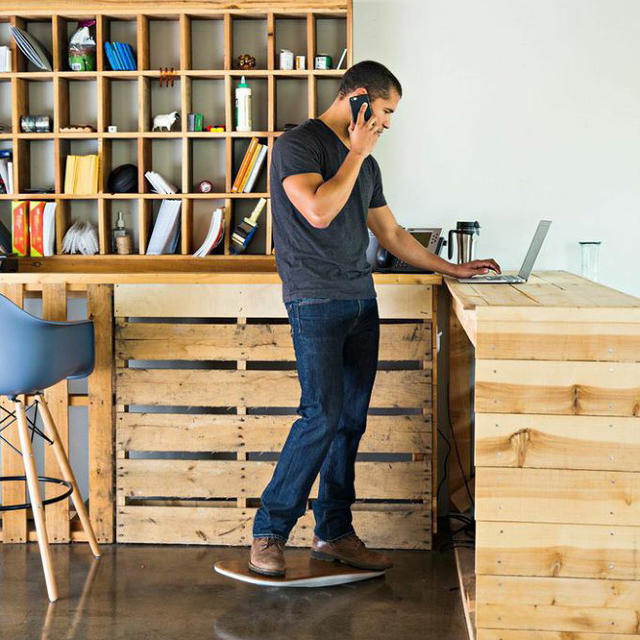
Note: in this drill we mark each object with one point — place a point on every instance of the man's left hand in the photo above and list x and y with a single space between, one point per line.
476 267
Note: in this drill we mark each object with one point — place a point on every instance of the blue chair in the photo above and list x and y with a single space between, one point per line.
36 354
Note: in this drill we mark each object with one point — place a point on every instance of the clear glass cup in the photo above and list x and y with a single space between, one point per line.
590 259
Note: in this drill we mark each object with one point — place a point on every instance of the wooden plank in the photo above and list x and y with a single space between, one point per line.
559 341
393 527
551 618
14 523
162 341
557 495
561 442
550 387
145 478
563 592
460 392
54 307
189 432
101 413
254 388
467 582
566 550
515 634
410 301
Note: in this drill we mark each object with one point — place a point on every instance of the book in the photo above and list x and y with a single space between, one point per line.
214 234
159 184
197 123
243 165
20 227
256 168
164 237
6 169
113 62
191 121
252 162
5 58
132 59
49 228
124 58
81 174
36 227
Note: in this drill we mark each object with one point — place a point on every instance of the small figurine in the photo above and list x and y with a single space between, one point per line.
246 62
165 120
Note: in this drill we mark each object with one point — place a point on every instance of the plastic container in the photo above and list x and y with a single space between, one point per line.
243 106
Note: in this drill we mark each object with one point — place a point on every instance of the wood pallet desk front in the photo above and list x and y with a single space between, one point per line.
557 456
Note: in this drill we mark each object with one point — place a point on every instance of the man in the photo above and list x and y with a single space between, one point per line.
326 189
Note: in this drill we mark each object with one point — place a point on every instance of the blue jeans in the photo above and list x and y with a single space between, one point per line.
336 344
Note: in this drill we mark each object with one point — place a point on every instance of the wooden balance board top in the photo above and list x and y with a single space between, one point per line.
301 572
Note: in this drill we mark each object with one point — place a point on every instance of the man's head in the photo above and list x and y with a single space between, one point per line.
373 78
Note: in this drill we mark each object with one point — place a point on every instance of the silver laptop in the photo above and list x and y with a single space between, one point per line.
527 265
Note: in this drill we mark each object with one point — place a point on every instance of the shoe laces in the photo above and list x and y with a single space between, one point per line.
270 542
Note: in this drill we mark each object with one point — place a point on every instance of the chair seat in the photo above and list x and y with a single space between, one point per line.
36 354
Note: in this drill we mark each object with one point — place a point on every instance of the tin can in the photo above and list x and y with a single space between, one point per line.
286 59
27 124
301 62
43 124
323 61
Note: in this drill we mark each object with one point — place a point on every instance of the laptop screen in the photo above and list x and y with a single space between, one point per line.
534 248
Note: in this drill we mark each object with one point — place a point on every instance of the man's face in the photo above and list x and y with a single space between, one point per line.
382 109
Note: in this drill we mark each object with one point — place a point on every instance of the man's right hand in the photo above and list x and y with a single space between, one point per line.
363 135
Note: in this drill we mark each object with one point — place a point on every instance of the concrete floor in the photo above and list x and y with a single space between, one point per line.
160 592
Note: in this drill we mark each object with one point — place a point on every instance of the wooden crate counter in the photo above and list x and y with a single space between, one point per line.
196 394
557 454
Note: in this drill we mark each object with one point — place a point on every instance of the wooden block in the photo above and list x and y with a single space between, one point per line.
101 413
162 341
561 442
557 495
189 432
550 387
565 550
218 388
54 307
144 478
391 527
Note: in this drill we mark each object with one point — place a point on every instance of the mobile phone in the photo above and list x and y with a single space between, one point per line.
355 102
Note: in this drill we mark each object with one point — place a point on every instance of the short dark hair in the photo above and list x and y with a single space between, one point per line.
371 75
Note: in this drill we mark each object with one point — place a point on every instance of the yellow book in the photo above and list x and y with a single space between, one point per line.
254 157
69 174
243 167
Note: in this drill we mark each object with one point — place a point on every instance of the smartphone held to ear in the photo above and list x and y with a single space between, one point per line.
355 102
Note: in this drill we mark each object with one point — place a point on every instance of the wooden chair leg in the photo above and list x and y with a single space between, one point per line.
36 500
67 474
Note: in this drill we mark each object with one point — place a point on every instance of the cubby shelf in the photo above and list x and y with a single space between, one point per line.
201 46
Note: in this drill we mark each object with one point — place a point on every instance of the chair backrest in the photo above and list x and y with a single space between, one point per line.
36 353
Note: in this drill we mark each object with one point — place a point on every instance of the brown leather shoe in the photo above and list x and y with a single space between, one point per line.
267 556
352 551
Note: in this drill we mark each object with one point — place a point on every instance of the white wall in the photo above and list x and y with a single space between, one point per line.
515 110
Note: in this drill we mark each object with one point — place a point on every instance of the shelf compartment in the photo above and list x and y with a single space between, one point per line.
241 209
36 165
201 211
259 106
291 33
42 30
207 43
129 208
33 97
249 35
163 42
239 148
63 30
70 211
207 161
118 152
114 29
121 104
290 101
77 103
326 90
5 104
162 100
205 96
165 158
330 38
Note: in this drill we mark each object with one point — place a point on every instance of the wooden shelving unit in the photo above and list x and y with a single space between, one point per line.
226 33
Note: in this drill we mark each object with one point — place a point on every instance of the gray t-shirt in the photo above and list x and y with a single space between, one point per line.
330 262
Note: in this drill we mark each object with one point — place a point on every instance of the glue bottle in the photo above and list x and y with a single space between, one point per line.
243 106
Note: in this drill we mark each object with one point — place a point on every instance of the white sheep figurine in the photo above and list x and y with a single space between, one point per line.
165 120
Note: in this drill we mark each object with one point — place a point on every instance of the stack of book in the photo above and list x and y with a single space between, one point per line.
120 56
6 171
33 226
250 167
166 231
5 58
81 174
